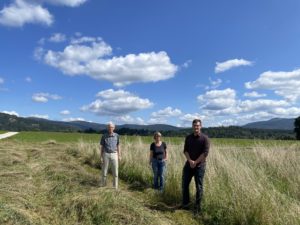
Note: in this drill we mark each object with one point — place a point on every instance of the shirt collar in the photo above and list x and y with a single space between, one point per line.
111 135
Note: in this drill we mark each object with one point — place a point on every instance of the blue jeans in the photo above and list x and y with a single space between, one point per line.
158 167
187 174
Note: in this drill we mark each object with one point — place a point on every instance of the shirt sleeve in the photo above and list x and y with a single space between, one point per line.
102 142
152 147
186 146
206 146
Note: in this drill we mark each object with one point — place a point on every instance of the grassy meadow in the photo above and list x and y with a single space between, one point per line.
52 178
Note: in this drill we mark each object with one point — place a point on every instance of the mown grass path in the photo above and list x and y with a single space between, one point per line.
44 183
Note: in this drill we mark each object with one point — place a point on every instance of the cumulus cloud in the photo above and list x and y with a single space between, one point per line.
167 112
162 115
65 112
285 84
1 80
213 84
254 94
46 117
127 119
44 97
57 37
13 113
70 3
116 103
187 119
186 64
218 99
20 12
261 104
232 63
93 57
222 107
73 119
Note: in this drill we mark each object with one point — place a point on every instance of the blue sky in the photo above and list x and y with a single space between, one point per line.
226 62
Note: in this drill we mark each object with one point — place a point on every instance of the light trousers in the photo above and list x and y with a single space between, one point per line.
110 158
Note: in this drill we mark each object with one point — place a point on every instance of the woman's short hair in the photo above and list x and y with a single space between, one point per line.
157 134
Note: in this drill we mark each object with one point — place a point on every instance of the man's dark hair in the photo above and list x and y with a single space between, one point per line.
196 121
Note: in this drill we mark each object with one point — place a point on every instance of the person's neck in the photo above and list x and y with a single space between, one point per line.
197 133
110 133
157 142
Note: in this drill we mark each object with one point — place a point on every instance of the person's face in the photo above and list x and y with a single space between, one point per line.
197 127
110 128
157 138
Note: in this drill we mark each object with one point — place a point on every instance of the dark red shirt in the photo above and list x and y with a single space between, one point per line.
196 145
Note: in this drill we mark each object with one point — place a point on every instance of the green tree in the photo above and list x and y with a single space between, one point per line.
297 127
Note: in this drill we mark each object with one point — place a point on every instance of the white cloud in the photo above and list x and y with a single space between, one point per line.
167 112
38 53
65 112
190 117
285 84
187 64
232 63
20 12
187 119
1 80
261 104
28 79
44 97
213 84
127 119
46 117
73 119
254 94
218 99
13 113
157 120
116 103
57 37
70 3
162 115
92 57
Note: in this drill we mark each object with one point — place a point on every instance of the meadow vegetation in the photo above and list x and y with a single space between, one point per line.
52 178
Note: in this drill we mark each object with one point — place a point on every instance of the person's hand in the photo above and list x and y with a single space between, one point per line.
119 157
192 163
101 160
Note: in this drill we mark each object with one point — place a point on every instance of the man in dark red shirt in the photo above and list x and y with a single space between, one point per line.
196 148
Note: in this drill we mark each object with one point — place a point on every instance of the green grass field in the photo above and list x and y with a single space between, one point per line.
52 178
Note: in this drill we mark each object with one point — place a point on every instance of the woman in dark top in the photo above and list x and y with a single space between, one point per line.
158 157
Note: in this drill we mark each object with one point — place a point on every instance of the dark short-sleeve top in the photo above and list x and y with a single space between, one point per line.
158 151
110 142
196 145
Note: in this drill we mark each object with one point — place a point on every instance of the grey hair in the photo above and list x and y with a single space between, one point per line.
110 124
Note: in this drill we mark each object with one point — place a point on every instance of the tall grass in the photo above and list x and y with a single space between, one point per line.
243 185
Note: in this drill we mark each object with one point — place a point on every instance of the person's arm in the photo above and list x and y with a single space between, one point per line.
166 152
101 153
119 149
187 156
202 157
101 149
119 152
151 153
150 156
